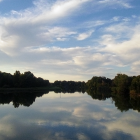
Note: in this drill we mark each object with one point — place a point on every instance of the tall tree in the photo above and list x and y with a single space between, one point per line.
17 78
121 84
135 86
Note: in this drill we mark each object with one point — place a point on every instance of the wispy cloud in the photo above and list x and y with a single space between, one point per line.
116 2
94 23
85 35
125 50
32 26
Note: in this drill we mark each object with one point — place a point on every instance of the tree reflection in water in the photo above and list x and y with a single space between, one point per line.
123 102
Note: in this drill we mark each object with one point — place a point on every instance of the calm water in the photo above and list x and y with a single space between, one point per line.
67 117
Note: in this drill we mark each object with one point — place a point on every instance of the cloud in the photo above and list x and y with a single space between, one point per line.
85 35
57 10
121 28
61 39
124 3
93 23
125 124
116 18
72 63
43 11
82 62
124 45
31 27
43 39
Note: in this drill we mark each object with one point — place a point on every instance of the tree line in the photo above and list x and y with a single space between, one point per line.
121 84
21 80
123 90
28 80
70 86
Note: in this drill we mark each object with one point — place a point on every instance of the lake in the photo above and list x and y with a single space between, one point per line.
69 116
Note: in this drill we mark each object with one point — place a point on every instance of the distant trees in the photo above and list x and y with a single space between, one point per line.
96 86
24 80
135 86
99 84
121 84
70 86
6 79
124 90
17 78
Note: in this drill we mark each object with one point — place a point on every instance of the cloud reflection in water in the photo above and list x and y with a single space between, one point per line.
68 116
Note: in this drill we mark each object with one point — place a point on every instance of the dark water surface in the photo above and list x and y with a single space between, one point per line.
76 116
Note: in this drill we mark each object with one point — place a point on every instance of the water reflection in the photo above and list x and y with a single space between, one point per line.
27 98
19 98
122 101
67 117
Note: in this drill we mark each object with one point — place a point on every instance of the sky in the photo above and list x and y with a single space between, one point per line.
70 39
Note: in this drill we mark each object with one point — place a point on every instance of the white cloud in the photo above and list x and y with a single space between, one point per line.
116 18
57 10
82 62
94 23
85 35
116 2
126 46
31 27
71 63
88 59
29 35
119 28
27 38
61 39
125 50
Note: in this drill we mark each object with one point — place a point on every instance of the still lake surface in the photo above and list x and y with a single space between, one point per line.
76 116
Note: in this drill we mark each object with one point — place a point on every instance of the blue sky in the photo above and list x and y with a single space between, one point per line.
70 39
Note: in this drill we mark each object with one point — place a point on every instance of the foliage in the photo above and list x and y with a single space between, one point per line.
70 86
24 80
135 86
98 85
25 98
121 84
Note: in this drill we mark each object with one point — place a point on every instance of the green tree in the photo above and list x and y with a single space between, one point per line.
121 84
135 86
